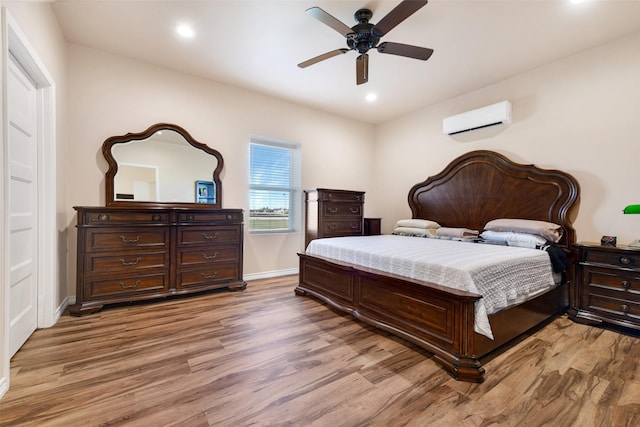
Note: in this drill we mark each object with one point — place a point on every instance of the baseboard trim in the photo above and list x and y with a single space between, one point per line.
4 386
270 274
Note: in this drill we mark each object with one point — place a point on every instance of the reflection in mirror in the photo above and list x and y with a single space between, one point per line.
162 165
178 167
137 182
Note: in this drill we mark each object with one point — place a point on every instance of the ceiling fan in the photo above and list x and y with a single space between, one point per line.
364 36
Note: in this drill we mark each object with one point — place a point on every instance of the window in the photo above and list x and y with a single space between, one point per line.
274 183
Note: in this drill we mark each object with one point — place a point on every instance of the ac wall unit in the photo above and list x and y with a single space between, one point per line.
494 114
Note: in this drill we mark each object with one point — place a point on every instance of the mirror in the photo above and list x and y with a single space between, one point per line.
162 166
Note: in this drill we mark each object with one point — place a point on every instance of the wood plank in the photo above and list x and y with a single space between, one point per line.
268 357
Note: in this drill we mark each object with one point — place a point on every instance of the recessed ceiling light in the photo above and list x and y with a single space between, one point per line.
371 97
185 31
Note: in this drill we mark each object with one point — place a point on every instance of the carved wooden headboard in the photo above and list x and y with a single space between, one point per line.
480 186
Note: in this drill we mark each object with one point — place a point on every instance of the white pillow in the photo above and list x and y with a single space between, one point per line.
417 223
523 240
413 231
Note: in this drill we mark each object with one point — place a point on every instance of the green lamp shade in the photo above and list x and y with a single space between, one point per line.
632 209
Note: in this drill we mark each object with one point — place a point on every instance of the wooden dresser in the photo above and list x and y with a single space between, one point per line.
138 253
333 213
607 285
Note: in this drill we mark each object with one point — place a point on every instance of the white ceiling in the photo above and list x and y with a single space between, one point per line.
257 44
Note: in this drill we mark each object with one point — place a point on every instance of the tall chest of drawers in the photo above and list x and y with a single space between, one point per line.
131 254
607 285
333 213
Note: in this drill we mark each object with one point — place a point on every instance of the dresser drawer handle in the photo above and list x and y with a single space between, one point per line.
155 218
333 210
209 236
626 284
625 260
190 217
209 276
205 256
354 226
624 308
332 226
134 262
354 210
125 286
125 240
103 217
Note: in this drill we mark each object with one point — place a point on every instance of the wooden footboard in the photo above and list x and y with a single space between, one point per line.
438 319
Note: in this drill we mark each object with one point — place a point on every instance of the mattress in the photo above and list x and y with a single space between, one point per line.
503 275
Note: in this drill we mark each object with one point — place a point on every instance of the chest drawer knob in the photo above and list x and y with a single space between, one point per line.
626 284
130 286
625 260
205 256
206 236
125 240
103 217
190 217
624 308
155 218
133 262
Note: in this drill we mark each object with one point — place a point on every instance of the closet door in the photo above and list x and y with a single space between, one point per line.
22 206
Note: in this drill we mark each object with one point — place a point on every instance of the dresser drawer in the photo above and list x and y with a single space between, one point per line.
98 263
107 217
104 239
621 309
214 255
342 228
342 209
627 260
210 217
340 196
202 236
209 276
615 280
125 286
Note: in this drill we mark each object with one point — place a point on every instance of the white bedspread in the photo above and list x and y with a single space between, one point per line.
503 275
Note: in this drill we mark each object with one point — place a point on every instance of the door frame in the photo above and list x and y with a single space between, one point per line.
15 43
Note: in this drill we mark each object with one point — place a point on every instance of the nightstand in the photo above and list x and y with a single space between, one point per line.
607 285
372 226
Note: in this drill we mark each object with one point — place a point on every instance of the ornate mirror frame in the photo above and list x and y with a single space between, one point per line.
109 143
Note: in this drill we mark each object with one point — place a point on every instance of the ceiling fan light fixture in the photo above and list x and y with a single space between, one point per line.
365 36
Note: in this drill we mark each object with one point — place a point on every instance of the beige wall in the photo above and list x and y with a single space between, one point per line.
580 114
112 95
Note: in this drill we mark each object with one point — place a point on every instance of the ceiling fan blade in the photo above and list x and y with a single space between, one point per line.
362 69
407 50
322 57
397 15
329 20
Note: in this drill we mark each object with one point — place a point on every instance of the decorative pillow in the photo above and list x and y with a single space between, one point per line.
523 240
413 231
456 232
417 223
548 230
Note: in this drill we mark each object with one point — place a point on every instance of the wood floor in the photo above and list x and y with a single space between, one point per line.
265 357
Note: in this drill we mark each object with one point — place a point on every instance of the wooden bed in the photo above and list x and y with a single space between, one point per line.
472 190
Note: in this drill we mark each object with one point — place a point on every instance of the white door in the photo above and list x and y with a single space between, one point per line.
22 167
